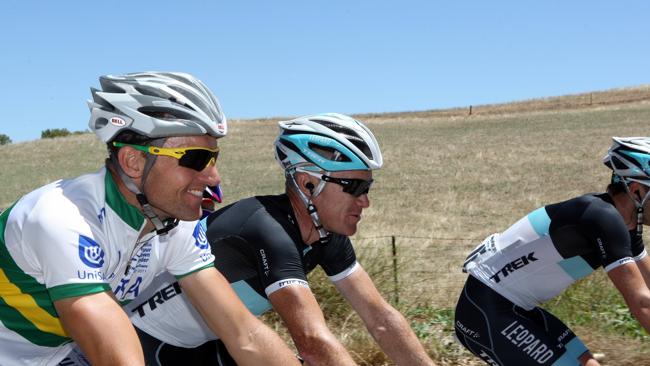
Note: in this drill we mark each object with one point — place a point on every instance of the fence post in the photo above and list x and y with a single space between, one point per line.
396 285
470 110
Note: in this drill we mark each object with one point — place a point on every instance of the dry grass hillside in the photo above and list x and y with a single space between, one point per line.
450 179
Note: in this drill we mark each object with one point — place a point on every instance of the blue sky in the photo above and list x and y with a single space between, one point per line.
290 57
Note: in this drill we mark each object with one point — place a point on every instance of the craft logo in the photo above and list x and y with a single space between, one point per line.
201 240
117 121
90 252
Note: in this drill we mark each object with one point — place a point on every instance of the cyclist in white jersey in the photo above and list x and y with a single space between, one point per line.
498 317
266 246
72 252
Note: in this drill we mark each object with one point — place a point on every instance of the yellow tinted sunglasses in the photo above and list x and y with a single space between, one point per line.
197 158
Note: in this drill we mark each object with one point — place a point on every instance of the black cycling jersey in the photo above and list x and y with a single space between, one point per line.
259 250
258 241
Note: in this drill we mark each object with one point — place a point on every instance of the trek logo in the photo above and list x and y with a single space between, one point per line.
158 298
527 342
90 252
513 266
201 239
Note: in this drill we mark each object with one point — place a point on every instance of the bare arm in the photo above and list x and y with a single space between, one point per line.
644 267
101 329
630 283
299 310
248 340
389 328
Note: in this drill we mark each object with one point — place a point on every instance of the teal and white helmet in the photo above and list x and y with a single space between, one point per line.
326 142
629 159
155 105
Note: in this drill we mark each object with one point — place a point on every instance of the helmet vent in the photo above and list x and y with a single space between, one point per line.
191 97
100 122
152 92
281 154
349 134
164 113
328 153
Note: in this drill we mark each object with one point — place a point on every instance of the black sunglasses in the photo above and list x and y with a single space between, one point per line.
355 187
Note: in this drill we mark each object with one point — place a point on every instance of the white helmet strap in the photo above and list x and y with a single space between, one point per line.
639 203
323 235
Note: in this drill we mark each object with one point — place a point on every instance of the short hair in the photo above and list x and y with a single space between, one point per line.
615 188
127 137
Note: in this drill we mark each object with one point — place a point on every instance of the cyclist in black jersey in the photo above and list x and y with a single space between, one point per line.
266 245
498 317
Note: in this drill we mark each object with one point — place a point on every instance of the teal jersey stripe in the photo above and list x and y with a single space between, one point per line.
72 290
574 349
255 303
10 317
114 199
576 267
540 221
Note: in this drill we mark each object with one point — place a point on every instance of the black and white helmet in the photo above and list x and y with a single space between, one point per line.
155 105
629 159
328 142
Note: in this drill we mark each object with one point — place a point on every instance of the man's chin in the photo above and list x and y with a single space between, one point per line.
347 231
190 216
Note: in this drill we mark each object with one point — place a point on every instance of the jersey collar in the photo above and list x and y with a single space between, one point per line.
116 201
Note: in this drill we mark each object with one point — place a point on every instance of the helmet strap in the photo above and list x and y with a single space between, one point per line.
162 226
323 234
639 207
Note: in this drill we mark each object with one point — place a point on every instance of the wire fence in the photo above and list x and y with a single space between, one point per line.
416 269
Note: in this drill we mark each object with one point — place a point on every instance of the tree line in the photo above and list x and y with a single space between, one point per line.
45 134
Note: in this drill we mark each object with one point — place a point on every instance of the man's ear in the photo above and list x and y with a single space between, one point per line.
132 161
304 183
637 190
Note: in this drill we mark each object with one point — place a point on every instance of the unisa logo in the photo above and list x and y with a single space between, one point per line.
199 235
90 252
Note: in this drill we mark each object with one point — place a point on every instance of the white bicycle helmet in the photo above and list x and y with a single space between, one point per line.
137 101
327 142
629 159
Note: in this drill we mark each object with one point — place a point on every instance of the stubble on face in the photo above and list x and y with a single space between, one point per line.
341 212
176 191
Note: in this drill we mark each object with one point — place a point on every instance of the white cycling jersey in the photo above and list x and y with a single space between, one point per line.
549 249
78 237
